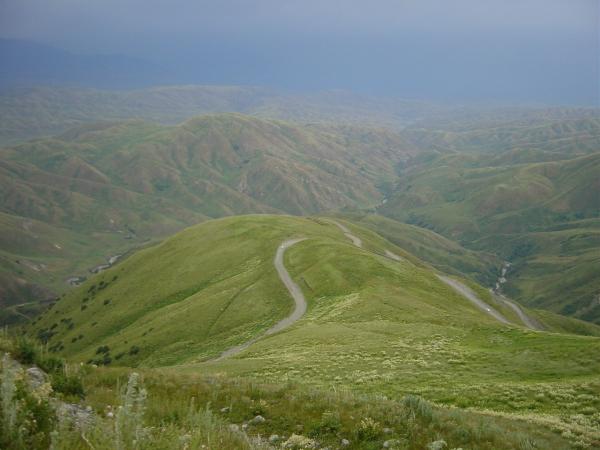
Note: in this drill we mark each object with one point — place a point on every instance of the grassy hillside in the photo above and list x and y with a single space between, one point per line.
98 190
37 260
442 253
541 216
374 324
167 409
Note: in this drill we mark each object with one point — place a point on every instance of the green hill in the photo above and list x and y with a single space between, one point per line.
442 253
541 216
103 189
374 323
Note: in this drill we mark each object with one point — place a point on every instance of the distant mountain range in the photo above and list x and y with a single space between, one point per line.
28 112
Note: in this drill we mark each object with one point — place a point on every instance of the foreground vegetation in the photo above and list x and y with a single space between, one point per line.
165 409
374 325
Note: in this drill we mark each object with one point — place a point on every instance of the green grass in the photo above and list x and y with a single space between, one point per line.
374 325
541 216
103 188
165 408
444 254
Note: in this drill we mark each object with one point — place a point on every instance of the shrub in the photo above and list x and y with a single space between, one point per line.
26 351
330 424
129 430
297 441
418 408
50 364
25 421
68 385
368 430
102 349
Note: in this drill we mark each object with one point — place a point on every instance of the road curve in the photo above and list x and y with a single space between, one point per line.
393 256
355 239
527 321
470 295
294 291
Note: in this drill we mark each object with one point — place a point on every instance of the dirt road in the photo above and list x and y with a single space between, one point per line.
470 295
293 289
355 239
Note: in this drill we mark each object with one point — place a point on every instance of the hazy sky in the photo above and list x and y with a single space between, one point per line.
526 50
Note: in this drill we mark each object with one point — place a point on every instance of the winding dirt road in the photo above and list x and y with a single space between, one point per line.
393 256
355 239
459 287
470 295
527 321
294 291
300 301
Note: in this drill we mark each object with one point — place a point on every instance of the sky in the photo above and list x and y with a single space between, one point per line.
511 50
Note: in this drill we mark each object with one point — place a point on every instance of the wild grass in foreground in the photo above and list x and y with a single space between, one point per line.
163 409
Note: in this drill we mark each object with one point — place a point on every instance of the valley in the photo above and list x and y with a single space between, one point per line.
318 225
445 265
372 323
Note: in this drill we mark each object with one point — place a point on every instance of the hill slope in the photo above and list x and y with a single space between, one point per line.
85 191
374 323
540 216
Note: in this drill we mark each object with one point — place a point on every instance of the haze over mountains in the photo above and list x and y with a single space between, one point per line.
262 225
42 111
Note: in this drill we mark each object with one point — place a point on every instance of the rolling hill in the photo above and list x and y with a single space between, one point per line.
71 202
539 214
378 319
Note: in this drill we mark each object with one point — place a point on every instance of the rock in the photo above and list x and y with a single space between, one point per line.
437 445
273 438
387 431
390 443
257 420
345 443
80 416
225 410
36 377
244 427
234 427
